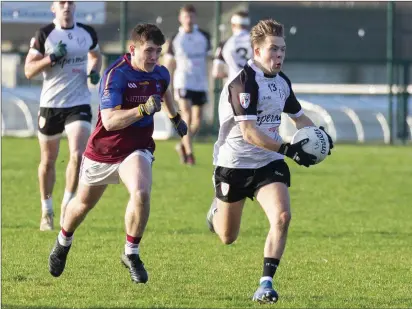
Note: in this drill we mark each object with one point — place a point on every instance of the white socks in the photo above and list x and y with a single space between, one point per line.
131 248
67 197
267 278
47 206
64 240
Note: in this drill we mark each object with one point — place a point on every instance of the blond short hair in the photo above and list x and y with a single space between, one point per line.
264 28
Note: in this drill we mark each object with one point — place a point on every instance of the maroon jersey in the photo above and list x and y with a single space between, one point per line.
123 87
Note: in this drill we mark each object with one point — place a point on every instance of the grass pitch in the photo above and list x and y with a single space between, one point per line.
349 245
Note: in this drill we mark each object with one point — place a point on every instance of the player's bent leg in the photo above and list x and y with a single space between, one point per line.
275 201
78 133
86 198
49 150
226 220
136 173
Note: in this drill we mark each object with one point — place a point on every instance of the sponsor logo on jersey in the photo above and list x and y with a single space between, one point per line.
244 99
268 119
137 98
70 61
131 85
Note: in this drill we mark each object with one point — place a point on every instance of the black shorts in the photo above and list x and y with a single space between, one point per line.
235 184
51 121
196 97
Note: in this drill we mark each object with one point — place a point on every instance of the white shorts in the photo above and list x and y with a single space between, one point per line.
94 173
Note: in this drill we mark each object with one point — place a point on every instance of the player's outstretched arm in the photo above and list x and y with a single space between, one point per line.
169 108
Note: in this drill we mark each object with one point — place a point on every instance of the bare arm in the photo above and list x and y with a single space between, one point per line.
170 63
94 61
168 105
302 121
116 119
255 137
35 64
219 70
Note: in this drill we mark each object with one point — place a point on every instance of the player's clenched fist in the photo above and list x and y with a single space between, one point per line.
152 105
297 154
179 124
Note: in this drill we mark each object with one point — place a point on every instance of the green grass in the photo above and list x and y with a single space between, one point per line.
349 246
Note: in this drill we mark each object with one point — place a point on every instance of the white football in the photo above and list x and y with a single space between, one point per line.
318 144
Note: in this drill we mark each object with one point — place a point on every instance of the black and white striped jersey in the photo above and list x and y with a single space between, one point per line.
235 52
190 50
252 95
65 82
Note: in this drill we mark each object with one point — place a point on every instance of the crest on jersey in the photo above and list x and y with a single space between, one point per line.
224 187
244 99
42 122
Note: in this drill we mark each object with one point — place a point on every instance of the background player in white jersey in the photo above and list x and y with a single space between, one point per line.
232 54
66 53
187 55
249 152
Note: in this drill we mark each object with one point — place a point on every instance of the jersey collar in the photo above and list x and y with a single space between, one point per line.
258 71
58 25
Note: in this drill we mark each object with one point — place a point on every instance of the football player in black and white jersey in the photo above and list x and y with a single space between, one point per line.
232 54
249 153
187 56
67 54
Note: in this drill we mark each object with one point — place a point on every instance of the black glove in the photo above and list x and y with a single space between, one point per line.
152 105
296 153
329 138
179 124
94 77
58 52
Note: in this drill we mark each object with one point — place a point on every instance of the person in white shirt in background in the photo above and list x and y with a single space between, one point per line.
232 54
67 53
187 56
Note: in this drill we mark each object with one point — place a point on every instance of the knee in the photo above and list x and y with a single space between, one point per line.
283 220
141 197
76 157
47 164
228 239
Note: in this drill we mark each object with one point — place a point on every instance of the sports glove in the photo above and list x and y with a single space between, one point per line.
296 153
179 124
152 105
94 77
329 138
58 52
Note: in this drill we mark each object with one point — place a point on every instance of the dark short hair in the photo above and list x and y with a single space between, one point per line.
190 8
142 33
